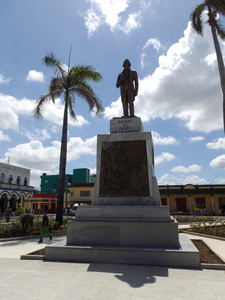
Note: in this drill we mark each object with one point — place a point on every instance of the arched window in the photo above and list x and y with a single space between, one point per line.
25 181
18 180
2 179
10 179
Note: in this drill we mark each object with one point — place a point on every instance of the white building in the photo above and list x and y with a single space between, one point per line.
14 187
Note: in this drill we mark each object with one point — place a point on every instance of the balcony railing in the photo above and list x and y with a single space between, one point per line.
13 186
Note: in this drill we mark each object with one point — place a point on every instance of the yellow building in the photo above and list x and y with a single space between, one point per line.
80 193
185 198
179 198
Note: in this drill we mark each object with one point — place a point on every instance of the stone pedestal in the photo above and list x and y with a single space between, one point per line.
132 226
126 222
125 170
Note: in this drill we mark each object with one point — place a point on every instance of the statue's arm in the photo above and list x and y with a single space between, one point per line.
135 84
119 81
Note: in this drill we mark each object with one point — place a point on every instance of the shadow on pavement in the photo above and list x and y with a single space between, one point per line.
135 275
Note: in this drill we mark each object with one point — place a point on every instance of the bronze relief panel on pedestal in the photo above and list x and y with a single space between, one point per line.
124 169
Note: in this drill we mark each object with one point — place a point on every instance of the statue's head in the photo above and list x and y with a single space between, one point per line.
126 63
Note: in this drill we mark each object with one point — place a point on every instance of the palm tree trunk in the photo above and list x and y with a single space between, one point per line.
62 166
219 62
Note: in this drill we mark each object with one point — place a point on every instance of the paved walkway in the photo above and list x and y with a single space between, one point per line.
33 279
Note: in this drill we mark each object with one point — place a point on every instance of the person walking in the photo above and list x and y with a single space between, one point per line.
45 228
8 212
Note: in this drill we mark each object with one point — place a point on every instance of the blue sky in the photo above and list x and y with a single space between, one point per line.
179 100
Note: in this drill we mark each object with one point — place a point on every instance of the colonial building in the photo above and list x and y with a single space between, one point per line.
179 198
14 187
79 189
185 198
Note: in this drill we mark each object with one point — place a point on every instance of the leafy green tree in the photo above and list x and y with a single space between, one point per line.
215 8
68 82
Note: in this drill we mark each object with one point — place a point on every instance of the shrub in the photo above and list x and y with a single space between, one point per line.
19 211
216 228
15 229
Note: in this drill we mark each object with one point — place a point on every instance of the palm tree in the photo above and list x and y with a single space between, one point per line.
68 82
214 8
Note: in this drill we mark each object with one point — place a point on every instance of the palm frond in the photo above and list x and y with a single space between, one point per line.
57 86
70 101
217 5
55 63
89 96
197 18
220 30
41 102
85 73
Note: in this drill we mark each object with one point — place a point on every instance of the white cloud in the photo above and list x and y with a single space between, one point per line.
12 108
151 42
4 80
36 134
35 76
34 155
4 137
182 169
165 156
173 180
92 171
132 22
142 60
184 86
167 179
78 147
39 158
54 113
154 42
220 180
159 140
196 139
109 12
218 144
218 163
193 179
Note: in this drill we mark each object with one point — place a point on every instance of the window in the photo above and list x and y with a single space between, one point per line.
25 181
71 194
18 180
85 193
2 179
10 179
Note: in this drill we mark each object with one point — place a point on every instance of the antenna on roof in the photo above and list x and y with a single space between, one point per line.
8 160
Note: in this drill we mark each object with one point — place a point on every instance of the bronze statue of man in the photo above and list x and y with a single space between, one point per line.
128 82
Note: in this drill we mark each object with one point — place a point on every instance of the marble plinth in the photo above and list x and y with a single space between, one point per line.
187 256
123 227
125 170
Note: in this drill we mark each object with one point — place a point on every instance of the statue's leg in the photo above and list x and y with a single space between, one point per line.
131 103
125 108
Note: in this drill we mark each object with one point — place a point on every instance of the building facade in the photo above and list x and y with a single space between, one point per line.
80 193
179 198
185 198
47 199
14 187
